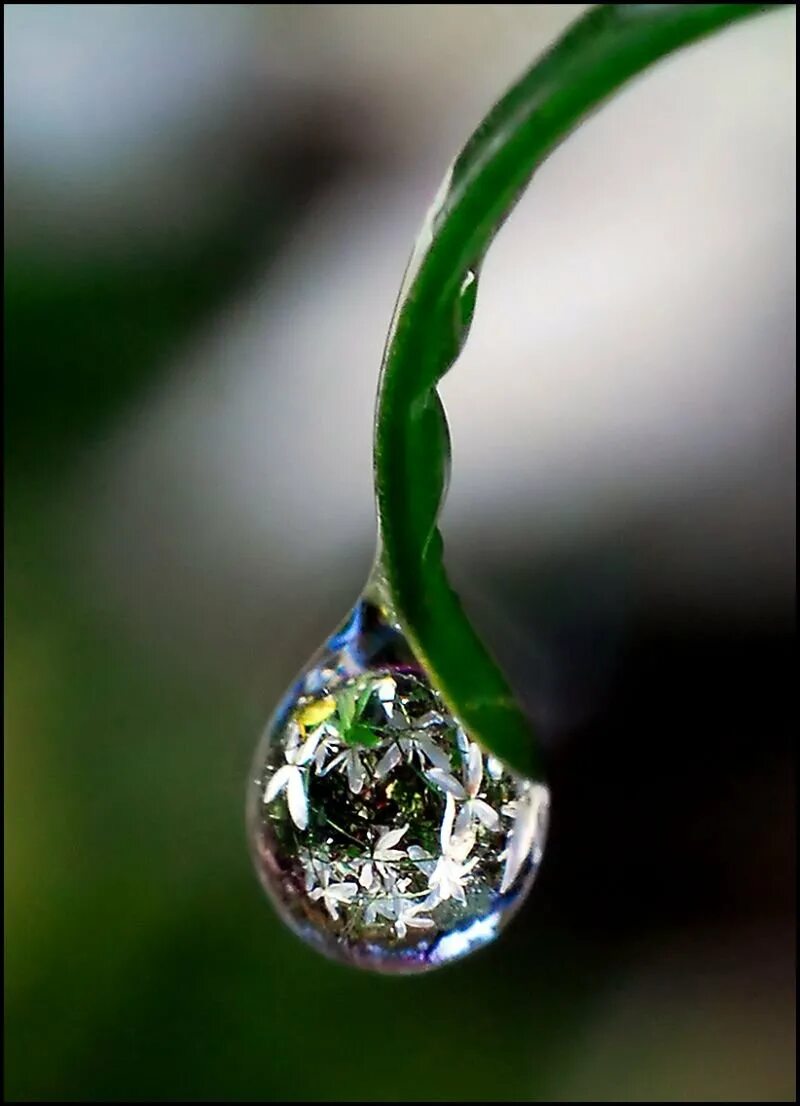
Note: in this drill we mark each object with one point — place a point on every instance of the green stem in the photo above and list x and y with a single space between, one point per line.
596 57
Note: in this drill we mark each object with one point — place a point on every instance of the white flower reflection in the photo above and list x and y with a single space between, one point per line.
350 761
413 743
329 742
409 918
384 855
333 894
450 872
399 909
474 809
396 831
290 777
530 813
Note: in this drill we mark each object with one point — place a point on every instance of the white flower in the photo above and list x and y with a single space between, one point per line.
399 909
387 904
329 743
408 918
467 792
350 761
385 845
414 743
530 814
383 855
383 905
333 894
291 778
447 879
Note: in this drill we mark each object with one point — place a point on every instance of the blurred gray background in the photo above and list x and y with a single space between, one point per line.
209 209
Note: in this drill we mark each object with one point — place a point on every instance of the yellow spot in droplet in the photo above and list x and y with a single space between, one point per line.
317 711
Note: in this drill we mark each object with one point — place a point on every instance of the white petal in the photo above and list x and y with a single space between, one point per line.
298 804
462 741
446 782
432 900
531 810
445 889
343 892
540 800
328 745
474 769
467 868
331 905
448 818
419 923
307 749
355 772
337 760
386 873
464 820
389 761
435 755
278 782
494 767
292 740
365 879
400 927
516 855
376 907
461 846
527 822
487 814
422 858
388 840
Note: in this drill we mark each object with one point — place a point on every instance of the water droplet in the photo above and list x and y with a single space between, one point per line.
383 834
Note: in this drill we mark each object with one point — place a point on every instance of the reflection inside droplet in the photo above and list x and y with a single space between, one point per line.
382 832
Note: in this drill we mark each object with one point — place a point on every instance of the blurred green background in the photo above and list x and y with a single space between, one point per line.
208 213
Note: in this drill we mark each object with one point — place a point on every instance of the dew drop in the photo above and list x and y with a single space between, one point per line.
383 834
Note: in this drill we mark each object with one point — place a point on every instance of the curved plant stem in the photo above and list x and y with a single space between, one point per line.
596 56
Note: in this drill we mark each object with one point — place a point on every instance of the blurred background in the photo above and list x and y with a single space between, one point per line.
209 209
